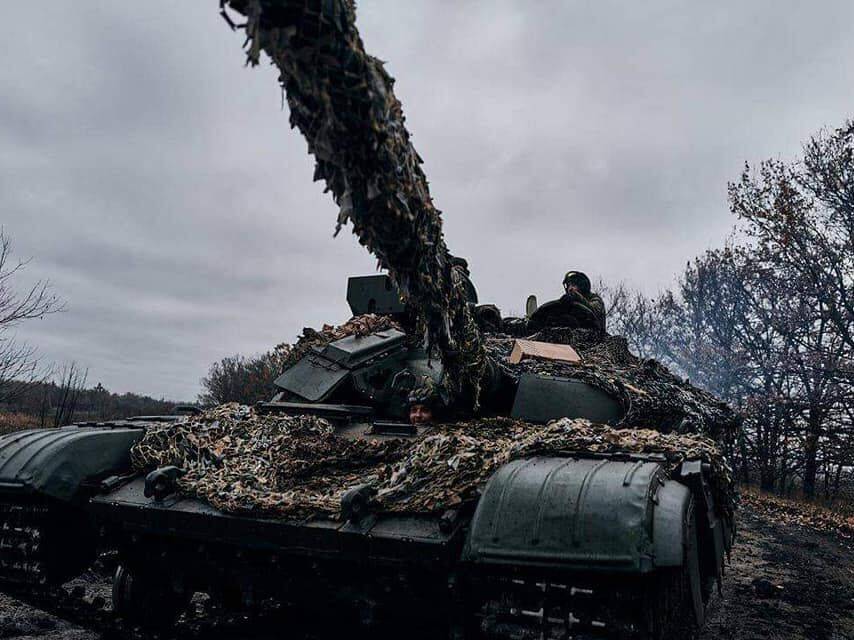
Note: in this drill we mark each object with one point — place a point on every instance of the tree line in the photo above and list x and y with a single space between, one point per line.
65 399
243 379
38 394
766 322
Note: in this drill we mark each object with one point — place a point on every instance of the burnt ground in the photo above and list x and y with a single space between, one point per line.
785 582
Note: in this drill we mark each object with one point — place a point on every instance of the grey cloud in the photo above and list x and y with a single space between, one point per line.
155 180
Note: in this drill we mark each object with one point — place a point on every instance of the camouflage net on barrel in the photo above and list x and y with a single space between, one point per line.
342 100
243 461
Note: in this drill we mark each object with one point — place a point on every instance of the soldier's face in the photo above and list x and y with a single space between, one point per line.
571 288
420 414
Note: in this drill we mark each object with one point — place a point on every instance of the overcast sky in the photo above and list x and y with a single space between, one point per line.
154 180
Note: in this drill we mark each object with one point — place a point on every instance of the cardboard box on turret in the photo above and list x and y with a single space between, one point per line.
524 349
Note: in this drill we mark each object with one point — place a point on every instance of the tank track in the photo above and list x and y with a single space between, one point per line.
546 609
24 575
24 570
21 551
509 608
503 619
75 606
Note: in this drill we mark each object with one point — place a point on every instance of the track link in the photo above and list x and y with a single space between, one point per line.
21 544
543 609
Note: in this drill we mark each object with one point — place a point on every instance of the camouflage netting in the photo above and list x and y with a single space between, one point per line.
342 100
243 461
357 326
651 396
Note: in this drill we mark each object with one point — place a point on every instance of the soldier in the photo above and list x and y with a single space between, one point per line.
426 402
587 307
420 413
578 308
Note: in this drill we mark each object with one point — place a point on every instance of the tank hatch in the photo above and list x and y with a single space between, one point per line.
321 371
373 294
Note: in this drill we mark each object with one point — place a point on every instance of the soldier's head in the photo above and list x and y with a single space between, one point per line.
420 414
425 402
576 281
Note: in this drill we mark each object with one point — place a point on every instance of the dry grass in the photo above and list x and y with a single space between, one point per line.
837 519
10 421
842 505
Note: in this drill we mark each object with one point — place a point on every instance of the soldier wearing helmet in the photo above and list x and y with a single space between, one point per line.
577 308
586 305
427 401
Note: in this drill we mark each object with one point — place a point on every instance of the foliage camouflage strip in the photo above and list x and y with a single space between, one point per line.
342 100
243 461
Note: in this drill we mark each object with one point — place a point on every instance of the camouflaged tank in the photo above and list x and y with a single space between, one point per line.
526 516
623 542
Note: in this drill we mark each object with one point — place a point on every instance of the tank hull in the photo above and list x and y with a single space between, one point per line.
588 540
554 547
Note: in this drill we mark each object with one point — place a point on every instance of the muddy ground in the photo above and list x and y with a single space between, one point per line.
785 582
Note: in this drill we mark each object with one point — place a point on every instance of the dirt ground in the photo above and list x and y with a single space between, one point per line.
785 582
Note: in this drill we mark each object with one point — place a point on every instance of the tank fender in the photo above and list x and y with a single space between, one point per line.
56 462
589 514
715 532
670 524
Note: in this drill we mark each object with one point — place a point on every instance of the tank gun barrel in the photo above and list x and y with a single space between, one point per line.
342 100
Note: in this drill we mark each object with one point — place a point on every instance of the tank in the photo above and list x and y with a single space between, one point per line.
562 538
575 545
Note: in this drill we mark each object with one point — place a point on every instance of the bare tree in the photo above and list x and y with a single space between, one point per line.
72 382
19 361
636 317
241 379
767 322
801 218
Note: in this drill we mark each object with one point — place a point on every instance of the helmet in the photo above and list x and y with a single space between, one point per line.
429 393
579 279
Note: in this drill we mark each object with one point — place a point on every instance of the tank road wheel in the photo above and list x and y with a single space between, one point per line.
145 600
